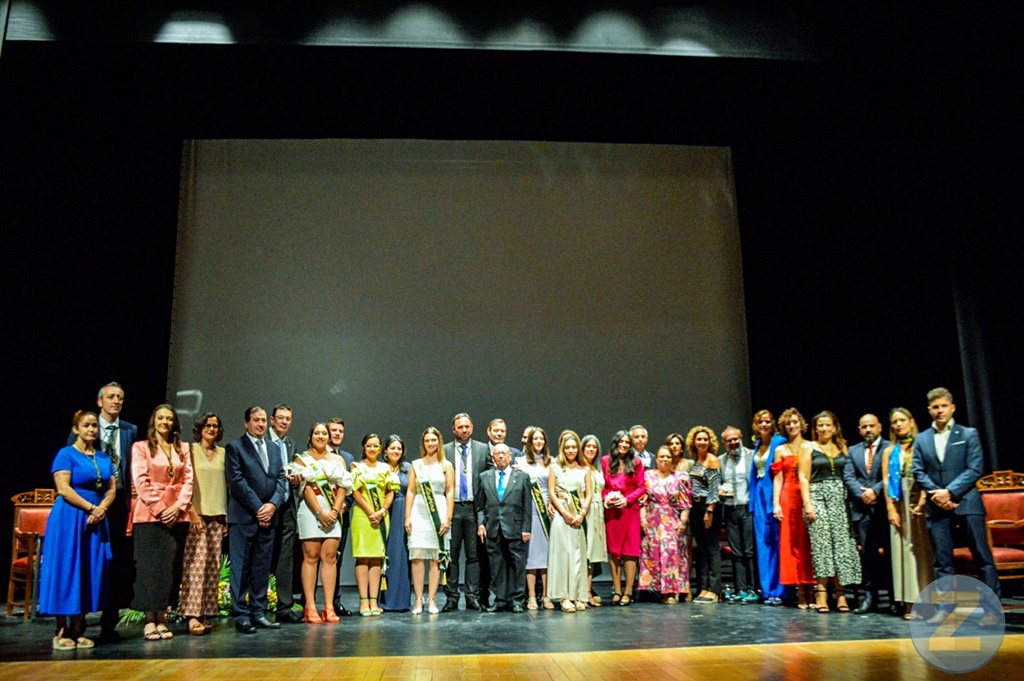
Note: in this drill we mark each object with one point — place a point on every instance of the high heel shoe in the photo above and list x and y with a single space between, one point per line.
310 616
329 615
417 608
567 605
821 600
841 604
375 611
364 612
432 607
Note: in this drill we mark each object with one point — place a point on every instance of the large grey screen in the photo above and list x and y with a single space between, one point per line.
394 283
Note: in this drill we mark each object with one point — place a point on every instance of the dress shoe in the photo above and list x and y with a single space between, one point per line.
867 604
108 637
450 604
261 622
896 609
473 605
494 608
288 617
245 627
517 609
340 610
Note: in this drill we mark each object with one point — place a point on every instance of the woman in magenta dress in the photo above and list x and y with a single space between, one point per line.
795 567
623 487
664 568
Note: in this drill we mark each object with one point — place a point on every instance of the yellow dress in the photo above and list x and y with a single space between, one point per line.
369 541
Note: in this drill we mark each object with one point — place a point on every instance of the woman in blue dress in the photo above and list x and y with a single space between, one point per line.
397 596
73 577
766 527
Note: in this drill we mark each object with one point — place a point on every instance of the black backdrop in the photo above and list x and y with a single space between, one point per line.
875 186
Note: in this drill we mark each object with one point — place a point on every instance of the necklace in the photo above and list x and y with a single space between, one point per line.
92 460
827 450
170 460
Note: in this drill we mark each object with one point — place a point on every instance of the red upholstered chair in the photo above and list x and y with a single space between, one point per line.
31 510
1002 492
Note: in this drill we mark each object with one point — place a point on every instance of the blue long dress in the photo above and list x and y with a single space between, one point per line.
73 577
766 527
399 591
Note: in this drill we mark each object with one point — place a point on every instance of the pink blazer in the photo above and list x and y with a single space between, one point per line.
155 488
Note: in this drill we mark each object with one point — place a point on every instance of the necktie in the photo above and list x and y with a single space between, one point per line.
501 485
111 451
284 464
463 481
871 456
262 449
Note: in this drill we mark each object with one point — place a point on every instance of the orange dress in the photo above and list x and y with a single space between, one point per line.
794 541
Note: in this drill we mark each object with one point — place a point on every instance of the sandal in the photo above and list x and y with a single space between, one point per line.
566 604
195 627
164 632
625 601
594 602
375 611
821 596
310 615
364 612
150 633
548 605
329 615
841 604
531 603
417 608
84 642
61 642
616 598
432 606
580 605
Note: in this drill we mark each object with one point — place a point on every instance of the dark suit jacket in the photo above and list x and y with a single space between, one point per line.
249 486
510 516
480 454
959 470
289 451
129 433
856 475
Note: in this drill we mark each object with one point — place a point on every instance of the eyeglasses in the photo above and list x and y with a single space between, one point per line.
211 425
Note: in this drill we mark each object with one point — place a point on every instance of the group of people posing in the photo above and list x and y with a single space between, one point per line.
141 523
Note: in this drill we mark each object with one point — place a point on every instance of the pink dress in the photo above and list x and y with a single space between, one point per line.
622 525
663 567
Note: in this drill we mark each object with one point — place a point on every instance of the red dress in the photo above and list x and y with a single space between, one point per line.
794 541
622 525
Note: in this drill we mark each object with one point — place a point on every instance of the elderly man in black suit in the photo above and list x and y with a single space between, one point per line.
863 478
256 485
504 520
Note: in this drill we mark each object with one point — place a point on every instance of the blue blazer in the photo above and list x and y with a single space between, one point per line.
249 486
960 469
856 475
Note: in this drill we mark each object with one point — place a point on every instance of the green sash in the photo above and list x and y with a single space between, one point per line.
373 493
542 508
323 485
443 557
574 494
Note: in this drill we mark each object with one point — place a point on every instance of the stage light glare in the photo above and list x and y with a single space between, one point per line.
611 32
526 34
195 27
687 48
341 32
424 25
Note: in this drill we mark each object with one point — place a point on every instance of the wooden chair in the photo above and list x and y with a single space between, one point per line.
31 510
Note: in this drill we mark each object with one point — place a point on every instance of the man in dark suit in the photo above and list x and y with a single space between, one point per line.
256 486
336 432
947 462
117 436
496 433
469 457
503 524
863 478
283 561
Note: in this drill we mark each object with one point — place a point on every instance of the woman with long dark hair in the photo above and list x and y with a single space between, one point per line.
833 550
162 475
623 487
535 463
705 478
396 597
373 488
766 526
597 538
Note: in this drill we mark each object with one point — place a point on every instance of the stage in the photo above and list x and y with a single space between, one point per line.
743 641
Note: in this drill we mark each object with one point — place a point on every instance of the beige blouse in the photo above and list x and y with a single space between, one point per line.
210 491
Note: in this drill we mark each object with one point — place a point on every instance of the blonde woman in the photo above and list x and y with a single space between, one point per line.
428 518
795 567
570 488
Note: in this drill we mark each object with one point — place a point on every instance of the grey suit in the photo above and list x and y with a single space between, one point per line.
506 519
283 562
463 529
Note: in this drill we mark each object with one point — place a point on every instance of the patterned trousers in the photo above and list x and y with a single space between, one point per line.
202 567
